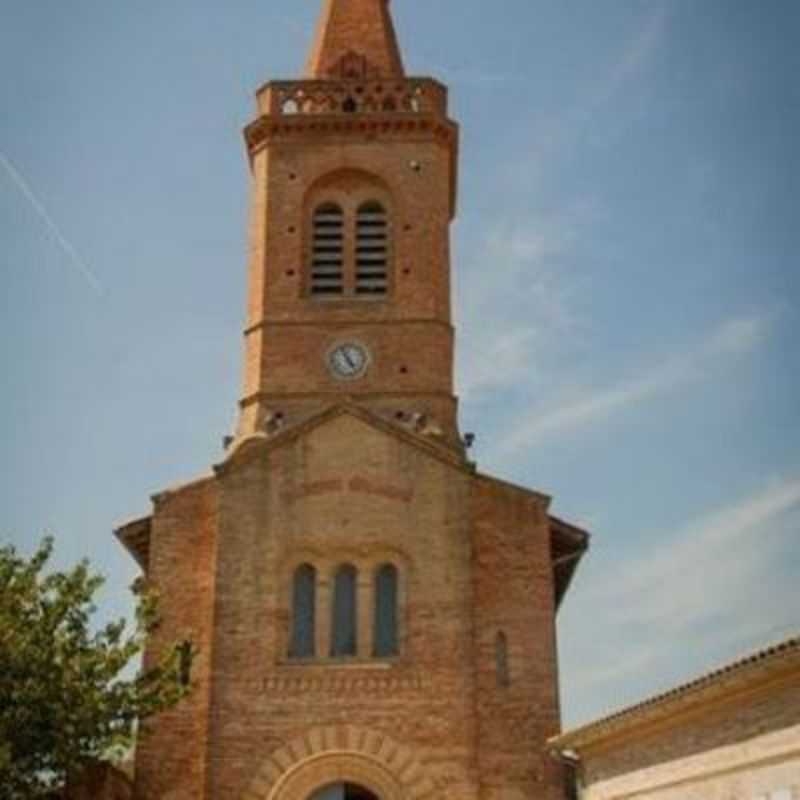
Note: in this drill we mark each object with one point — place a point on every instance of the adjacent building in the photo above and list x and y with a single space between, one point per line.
733 734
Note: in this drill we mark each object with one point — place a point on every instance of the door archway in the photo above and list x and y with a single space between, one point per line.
343 791
341 756
325 777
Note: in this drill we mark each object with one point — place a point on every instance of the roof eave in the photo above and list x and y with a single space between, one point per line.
135 537
568 545
758 670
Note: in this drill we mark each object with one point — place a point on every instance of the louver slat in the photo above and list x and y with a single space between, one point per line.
327 258
372 250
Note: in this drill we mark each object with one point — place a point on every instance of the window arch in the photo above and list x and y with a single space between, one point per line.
348 241
501 660
327 250
344 626
304 613
385 624
372 249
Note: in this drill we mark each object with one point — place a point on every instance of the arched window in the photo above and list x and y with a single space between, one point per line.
385 623
372 249
501 660
344 639
304 600
327 250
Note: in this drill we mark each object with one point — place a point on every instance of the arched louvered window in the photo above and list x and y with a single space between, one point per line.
304 600
344 639
501 660
385 623
327 250
372 249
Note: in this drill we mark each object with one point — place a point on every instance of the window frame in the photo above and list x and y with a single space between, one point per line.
350 197
372 231
293 632
366 600
322 257
394 652
339 646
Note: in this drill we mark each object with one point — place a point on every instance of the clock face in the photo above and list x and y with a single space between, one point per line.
348 360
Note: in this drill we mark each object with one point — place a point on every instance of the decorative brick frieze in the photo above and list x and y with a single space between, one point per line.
339 682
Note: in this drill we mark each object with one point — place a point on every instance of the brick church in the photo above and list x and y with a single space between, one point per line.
374 617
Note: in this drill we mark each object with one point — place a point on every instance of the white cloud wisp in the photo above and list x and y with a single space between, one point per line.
715 586
65 245
733 338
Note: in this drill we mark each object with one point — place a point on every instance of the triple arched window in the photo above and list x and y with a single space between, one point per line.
350 250
341 605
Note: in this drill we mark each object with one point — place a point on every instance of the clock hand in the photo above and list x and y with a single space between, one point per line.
350 362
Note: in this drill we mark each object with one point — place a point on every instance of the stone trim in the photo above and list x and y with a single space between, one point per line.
348 303
343 753
367 679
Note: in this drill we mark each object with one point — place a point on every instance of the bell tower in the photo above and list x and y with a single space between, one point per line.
373 617
353 191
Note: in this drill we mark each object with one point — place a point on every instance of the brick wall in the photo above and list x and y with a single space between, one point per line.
473 556
408 332
345 493
513 586
182 571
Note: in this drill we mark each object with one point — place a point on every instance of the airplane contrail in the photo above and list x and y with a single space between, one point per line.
65 245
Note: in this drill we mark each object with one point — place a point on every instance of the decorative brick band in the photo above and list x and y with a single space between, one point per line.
379 684
341 754
265 129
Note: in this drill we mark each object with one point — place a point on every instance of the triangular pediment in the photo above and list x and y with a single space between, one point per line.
254 444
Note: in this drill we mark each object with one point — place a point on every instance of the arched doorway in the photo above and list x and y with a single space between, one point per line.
343 791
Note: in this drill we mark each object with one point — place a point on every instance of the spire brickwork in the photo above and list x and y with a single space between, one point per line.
353 30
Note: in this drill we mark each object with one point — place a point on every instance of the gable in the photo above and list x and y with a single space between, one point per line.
340 431
346 478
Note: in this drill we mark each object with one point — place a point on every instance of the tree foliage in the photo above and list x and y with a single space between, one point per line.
66 697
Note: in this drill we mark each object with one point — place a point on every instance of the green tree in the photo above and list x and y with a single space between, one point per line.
66 695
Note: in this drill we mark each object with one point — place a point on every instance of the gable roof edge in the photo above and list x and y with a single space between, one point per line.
439 452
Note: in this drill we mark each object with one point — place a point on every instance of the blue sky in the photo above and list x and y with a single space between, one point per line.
626 278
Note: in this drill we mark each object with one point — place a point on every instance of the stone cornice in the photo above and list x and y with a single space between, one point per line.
332 128
349 323
336 394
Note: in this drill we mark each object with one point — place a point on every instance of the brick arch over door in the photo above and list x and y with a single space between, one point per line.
341 754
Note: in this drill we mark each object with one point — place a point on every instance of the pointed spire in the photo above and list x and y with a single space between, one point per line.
355 38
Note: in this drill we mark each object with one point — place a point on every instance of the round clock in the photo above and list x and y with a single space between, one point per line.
348 360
